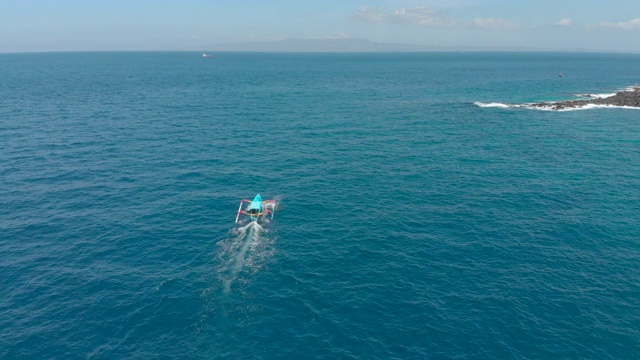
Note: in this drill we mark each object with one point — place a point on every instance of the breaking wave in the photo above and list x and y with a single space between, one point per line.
582 107
550 107
493 104
595 96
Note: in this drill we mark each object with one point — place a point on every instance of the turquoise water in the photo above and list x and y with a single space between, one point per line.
410 223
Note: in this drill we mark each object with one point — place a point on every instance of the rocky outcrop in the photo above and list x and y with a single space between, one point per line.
624 98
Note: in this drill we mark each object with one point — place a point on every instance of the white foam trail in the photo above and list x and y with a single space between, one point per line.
246 250
252 236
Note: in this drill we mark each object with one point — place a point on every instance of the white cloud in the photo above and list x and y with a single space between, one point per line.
493 23
625 25
370 14
419 15
565 22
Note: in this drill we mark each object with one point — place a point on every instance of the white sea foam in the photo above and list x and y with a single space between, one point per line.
595 96
577 108
598 106
550 105
493 104
244 251
604 95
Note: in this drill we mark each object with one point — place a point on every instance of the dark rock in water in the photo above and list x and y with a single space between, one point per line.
624 98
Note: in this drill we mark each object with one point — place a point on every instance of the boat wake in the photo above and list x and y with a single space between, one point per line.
242 253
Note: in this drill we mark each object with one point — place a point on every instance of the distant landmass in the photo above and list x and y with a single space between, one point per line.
349 45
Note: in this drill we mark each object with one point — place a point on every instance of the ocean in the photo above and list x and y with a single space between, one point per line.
418 214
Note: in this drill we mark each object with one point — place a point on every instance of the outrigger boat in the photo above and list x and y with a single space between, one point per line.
257 207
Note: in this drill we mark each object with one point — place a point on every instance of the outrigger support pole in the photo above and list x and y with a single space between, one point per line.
239 208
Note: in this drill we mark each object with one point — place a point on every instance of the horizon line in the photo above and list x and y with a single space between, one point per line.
321 51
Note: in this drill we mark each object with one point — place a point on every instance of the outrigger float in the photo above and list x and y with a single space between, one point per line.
257 208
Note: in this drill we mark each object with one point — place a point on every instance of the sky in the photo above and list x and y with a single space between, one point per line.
93 25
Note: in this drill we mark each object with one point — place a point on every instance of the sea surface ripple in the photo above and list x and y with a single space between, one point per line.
410 223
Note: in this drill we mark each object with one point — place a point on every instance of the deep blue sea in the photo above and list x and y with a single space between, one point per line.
411 223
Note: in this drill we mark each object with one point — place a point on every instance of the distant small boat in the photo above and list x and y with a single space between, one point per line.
205 55
560 75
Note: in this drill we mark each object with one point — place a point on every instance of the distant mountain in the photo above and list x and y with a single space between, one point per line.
319 45
349 45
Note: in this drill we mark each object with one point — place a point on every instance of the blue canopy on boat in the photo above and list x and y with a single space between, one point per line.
256 203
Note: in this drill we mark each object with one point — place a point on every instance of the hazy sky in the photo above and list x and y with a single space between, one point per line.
62 25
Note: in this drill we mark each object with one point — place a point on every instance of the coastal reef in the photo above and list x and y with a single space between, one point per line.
620 99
